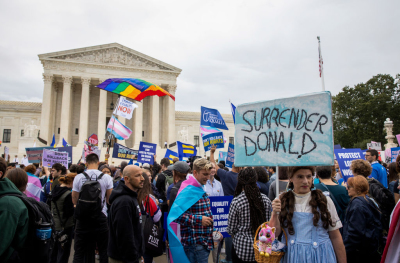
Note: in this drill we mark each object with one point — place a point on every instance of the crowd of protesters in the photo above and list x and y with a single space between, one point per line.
325 218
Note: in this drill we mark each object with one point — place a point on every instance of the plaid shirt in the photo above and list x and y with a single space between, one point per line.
239 225
192 231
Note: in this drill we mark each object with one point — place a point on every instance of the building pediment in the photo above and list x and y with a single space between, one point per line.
110 55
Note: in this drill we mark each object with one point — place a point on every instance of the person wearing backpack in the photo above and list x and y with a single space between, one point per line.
13 218
26 224
336 192
62 209
90 193
383 197
164 179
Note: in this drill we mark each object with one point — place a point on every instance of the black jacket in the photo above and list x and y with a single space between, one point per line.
63 198
125 226
362 228
160 184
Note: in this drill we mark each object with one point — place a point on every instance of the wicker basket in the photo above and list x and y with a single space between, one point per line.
275 257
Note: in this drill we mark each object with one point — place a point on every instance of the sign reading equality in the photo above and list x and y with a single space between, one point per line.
220 211
216 139
285 132
212 118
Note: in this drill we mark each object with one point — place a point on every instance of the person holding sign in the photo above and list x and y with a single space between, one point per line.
249 209
309 219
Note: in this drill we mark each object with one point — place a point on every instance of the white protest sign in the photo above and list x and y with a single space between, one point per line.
374 146
293 131
125 108
52 157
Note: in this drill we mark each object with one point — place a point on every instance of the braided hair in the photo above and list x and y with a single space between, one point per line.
318 203
247 180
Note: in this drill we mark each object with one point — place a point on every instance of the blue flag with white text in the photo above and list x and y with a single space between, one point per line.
212 118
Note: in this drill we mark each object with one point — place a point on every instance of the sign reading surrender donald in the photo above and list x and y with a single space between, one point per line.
285 132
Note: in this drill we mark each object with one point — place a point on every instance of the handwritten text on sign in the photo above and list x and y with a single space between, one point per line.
146 152
286 132
220 211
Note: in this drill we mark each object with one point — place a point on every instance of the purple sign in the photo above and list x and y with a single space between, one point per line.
52 157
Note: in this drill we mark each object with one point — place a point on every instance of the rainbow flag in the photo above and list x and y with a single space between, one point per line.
189 193
120 131
135 89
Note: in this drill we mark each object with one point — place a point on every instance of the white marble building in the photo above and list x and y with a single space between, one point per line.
73 108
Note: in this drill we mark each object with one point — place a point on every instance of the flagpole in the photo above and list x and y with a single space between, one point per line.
321 63
112 128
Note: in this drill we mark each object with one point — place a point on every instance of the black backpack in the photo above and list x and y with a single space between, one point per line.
385 200
35 249
89 204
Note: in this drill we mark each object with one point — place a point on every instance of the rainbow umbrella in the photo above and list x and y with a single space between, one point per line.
135 89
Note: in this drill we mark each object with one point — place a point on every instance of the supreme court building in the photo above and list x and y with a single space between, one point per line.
73 107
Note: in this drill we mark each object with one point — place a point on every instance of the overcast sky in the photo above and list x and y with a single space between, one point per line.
240 50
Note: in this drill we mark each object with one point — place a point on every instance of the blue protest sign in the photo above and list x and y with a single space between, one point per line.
293 131
220 211
146 152
395 152
123 152
230 159
337 146
216 139
344 158
212 118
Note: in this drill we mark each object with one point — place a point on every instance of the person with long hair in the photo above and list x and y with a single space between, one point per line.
309 219
249 209
362 231
149 206
262 179
62 209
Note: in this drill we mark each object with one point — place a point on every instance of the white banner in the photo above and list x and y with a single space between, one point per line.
374 146
125 108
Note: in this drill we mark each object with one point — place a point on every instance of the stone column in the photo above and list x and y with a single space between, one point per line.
170 120
155 120
84 113
138 124
65 122
46 108
101 128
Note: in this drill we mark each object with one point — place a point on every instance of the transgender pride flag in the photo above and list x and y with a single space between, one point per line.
120 131
34 187
205 130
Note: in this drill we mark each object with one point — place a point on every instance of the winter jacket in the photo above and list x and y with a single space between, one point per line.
362 228
63 198
125 226
13 220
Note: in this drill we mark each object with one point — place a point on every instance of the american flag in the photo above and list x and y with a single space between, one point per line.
321 61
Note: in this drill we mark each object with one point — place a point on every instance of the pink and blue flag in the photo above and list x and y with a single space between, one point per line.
205 130
120 131
189 193
34 187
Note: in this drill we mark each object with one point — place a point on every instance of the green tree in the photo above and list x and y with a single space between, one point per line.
359 112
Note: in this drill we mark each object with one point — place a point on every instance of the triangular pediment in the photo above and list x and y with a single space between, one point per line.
111 54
